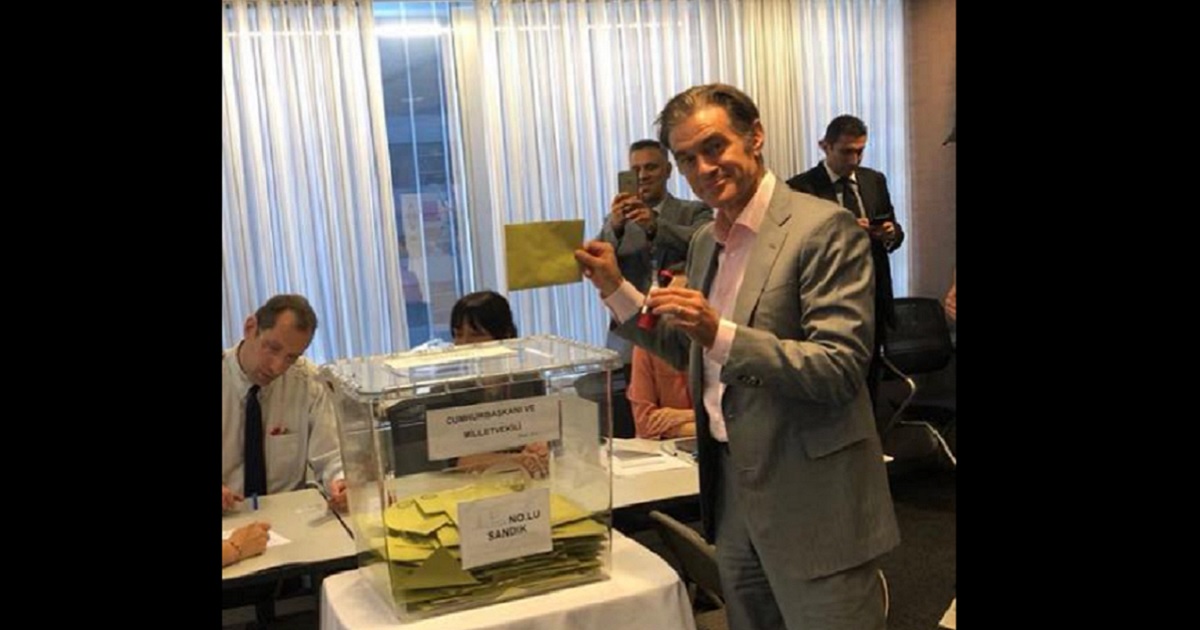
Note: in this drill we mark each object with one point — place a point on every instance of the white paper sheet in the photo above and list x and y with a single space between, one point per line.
273 539
629 463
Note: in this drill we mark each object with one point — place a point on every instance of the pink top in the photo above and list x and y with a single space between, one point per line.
655 385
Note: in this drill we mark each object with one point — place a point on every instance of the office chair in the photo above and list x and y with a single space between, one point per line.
699 560
918 342
593 387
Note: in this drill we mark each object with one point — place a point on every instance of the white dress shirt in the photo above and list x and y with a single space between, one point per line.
298 418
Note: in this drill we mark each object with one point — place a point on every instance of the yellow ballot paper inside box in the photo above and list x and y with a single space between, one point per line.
451 498
401 550
585 528
406 516
439 570
542 254
563 510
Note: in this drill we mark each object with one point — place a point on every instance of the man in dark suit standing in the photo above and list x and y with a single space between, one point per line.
868 199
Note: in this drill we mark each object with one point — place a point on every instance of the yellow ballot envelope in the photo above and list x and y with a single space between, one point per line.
542 254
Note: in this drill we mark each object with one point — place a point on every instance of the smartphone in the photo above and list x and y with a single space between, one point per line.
627 182
883 219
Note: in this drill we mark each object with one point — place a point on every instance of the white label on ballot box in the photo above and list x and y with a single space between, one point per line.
504 527
491 427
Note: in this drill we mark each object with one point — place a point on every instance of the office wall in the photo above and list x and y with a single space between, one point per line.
931 240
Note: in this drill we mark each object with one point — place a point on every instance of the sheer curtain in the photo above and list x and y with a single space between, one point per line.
552 92
306 192
807 62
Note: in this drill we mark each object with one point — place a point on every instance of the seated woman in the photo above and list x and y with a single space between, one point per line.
658 393
485 316
662 406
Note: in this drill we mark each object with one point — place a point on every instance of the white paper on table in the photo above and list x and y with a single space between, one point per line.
629 463
273 539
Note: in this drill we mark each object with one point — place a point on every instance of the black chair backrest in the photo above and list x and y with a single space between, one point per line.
919 342
699 559
593 387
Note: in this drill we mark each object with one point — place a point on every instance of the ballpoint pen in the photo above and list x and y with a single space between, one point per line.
319 487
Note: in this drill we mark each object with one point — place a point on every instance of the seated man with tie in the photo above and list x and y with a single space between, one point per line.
868 199
276 418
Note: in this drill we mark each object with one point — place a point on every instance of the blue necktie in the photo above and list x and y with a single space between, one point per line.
255 460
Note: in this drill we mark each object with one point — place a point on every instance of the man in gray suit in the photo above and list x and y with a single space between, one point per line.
776 341
651 228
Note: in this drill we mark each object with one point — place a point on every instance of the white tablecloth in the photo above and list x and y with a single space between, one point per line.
643 592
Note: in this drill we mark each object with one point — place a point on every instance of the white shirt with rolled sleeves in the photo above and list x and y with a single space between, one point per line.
298 419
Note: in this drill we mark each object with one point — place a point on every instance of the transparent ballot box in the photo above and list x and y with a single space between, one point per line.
478 473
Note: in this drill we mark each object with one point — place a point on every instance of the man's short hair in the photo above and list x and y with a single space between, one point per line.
306 318
648 143
845 125
741 109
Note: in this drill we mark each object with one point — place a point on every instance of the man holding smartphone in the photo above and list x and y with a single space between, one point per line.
647 226
840 178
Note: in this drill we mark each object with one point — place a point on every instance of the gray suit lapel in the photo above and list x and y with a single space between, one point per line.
704 254
767 246
702 265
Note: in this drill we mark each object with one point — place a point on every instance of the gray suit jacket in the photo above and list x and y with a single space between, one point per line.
798 416
677 221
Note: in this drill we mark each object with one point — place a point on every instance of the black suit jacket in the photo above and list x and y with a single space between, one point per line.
872 189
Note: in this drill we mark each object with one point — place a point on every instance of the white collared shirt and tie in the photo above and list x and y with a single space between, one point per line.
852 185
298 422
